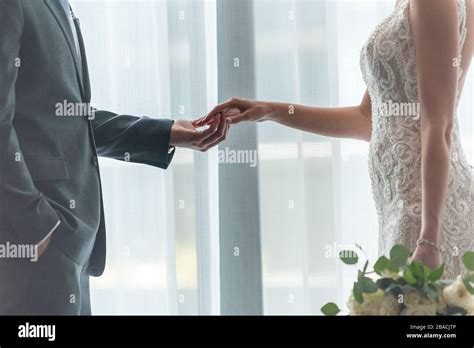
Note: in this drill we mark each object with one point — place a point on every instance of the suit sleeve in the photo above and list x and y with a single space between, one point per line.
135 139
24 211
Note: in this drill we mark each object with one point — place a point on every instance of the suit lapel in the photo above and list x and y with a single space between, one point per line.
85 67
61 18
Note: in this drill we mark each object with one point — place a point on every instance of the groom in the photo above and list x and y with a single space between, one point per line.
50 190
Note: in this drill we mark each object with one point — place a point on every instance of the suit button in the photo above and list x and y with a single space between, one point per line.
95 161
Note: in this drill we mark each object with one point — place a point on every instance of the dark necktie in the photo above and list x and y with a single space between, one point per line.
67 9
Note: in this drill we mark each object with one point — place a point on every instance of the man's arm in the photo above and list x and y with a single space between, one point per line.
135 139
152 141
23 209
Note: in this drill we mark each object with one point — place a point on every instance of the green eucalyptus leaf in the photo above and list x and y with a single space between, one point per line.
403 282
392 268
384 283
381 264
365 267
409 278
399 255
330 309
408 288
349 257
432 291
367 285
468 260
416 269
357 292
436 274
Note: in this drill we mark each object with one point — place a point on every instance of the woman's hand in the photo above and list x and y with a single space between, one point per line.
238 110
427 255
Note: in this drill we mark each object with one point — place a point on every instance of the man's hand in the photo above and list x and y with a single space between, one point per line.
186 134
237 110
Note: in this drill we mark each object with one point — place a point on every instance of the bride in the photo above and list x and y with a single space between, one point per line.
421 181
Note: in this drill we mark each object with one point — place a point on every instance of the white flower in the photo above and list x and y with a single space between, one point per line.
411 298
456 295
416 304
390 306
420 309
389 274
441 304
377 303
370 306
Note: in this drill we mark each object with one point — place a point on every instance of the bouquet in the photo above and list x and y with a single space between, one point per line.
400 286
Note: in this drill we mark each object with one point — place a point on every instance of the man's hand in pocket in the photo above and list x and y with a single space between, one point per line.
44 245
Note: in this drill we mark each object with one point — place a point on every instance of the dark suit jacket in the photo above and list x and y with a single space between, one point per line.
48 164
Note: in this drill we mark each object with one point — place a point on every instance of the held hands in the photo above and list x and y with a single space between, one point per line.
237 110
187 133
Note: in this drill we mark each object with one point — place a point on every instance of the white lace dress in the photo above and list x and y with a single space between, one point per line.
389 70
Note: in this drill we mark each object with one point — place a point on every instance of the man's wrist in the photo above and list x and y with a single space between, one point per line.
172 140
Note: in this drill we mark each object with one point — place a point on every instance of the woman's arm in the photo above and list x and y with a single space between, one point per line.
435 30
350 122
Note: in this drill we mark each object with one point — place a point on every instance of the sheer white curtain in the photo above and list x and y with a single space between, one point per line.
308 52
159 58
154 58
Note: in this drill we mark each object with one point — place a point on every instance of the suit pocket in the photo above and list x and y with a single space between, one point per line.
45 169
